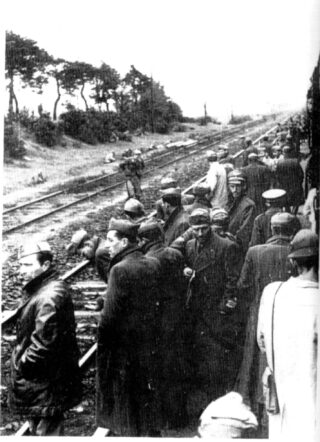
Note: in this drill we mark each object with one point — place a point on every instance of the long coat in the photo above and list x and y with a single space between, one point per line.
264 264
45 377
242 213
217 180
261 230
258 180
172 368
289 175
295 343
175 225
128 330
213 336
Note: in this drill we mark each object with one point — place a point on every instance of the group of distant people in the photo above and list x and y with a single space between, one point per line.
210 310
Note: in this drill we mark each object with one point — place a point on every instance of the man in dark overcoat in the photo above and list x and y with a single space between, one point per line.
45 376
258 181
172 366
264 264
274 202
201 193
127 385
211 301
289 176
241 210
177 219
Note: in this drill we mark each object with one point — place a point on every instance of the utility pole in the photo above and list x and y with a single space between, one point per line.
152 105
205 114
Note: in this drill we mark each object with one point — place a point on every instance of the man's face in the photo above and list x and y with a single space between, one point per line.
114 244
30 267
201 232
236 190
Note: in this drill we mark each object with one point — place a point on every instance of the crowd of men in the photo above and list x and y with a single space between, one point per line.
182 322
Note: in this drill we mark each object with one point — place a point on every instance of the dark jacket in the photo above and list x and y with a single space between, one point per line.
242 214
44 365
212 336
264 264
261 231
172 366
175 225
128 332
246 153
289 176
258 181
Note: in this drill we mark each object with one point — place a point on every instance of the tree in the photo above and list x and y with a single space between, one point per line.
26 61
76 75
106 81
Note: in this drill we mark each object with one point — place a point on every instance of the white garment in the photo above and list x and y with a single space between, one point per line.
296 318
217 181
308 208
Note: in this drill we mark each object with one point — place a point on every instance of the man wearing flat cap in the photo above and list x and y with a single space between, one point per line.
201 193
172 367
249 148
288 333
127 385
274 201
241 210
263 264
211 301
217 181
176 218
258 180
45 377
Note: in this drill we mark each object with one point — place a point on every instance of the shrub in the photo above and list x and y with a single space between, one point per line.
13 146
46 131
27 120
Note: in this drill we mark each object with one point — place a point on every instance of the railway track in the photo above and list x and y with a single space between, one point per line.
85 295
22 215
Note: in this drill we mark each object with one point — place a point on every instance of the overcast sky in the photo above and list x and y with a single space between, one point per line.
245 56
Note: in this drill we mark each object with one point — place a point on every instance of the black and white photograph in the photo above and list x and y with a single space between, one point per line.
160 219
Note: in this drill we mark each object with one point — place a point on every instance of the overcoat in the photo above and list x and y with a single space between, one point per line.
242 213
263 264
127 385
261 230
213 336
172 367
45 377
258 181
289 175
175 225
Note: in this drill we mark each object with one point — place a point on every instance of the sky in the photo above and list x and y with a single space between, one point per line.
237 56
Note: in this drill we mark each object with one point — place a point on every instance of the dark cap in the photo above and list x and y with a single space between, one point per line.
172 196
304 244
200 189
212 156
236 177
168 182
273 194
199 217
150 230
123 226
219 216
134 206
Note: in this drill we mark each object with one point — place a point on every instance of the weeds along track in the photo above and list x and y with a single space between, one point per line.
28 213
86 287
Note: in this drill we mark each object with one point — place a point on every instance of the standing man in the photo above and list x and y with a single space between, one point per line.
249 148
258 181
176 218
288 333
132 168
289 175
274 200
241 210
45 373
127 386
264 264
201 193
211 300
217 181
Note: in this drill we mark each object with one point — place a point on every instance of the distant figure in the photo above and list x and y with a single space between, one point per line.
45 376
132 168
217 181
176 218
249 148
